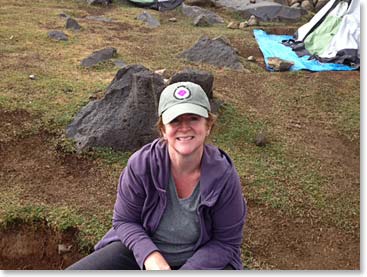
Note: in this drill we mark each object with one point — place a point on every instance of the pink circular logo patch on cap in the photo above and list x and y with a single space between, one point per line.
181 93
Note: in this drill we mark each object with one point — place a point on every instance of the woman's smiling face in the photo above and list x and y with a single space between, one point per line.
186 134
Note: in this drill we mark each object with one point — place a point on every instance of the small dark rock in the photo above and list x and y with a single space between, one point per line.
72 24
202 21
99 56
261 139
57 35
150 20
99 2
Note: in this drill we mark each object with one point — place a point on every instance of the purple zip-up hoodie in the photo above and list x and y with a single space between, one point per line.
141 200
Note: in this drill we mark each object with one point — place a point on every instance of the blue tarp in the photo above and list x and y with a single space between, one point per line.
271 46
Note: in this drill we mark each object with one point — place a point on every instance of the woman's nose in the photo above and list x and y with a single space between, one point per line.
184 124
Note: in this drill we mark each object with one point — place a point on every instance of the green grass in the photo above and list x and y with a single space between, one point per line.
270 175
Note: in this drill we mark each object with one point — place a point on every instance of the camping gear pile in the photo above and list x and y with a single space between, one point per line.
332 35
329 41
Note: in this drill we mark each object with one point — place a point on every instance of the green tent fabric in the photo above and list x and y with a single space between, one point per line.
317 42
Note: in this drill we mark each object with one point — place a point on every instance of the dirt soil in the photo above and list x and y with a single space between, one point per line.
36 246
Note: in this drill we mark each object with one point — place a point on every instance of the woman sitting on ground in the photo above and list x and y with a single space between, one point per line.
179 202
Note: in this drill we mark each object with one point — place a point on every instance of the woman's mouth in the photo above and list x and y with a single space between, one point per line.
187 138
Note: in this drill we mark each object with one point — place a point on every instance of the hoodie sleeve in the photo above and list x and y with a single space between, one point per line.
127 216
228 218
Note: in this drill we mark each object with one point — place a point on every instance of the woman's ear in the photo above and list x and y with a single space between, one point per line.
208 130
163 133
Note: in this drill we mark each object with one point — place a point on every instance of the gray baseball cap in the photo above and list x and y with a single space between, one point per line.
181 98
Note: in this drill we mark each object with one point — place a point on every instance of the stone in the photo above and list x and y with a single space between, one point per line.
58 35
124 119
243 25
172 19
263 10
261 140
217 52
251 59
161 72
149 20
99 2
202 21
278 64
32 77
252 21
72 24
233 25
99 56
63 249
193 12
307 5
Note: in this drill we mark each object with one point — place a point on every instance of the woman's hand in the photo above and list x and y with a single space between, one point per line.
155 261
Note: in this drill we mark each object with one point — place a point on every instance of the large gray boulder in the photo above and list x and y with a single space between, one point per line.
194 12
217 52
125 117
263 10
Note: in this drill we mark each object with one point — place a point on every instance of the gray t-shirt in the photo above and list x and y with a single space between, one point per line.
179 229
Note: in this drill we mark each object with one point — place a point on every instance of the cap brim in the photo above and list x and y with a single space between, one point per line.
184 108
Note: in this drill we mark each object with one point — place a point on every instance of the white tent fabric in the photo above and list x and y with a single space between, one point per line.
348 36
